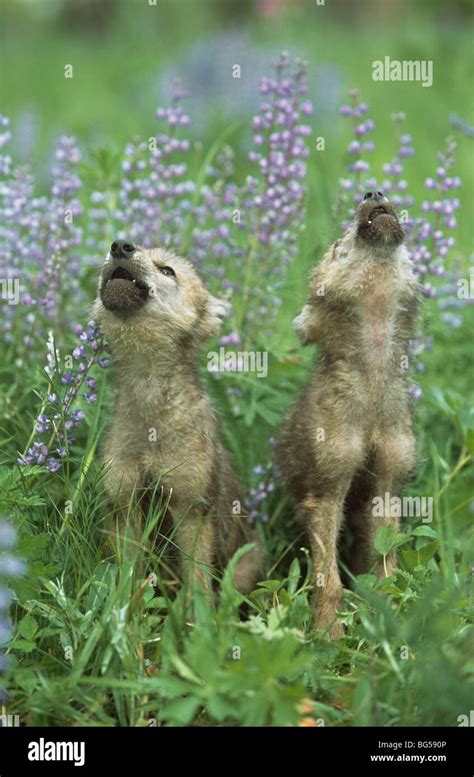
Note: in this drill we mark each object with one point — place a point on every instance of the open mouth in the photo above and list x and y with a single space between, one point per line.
122 274
380 210
378 223
122 293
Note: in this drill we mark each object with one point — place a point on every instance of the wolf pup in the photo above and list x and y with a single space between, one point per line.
155 312
349 437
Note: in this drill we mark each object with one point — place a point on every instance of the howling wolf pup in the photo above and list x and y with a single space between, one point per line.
155 312
349 436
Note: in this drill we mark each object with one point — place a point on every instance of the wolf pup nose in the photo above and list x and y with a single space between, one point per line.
156 313
120 249
349 440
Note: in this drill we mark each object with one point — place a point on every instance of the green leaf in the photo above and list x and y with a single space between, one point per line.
420 557
231 599
31 546
171 686
184 670
294 577
220 709
387 539
366 581
270 585
181 711
23 645
276 617
204 616
425 531
27 680
285 598
28 627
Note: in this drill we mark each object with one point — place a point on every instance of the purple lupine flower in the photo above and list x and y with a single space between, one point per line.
257 506
353 186
154 191
214 237
428 237
272 201
60 415
231 339
39 241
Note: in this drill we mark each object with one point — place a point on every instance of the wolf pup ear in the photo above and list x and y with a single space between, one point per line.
215 312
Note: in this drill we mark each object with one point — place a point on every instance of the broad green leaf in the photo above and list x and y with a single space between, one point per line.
366 581
27 627
181 711
387 539
23 645
420 557
425 531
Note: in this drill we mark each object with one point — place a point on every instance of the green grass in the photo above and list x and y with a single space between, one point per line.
93 643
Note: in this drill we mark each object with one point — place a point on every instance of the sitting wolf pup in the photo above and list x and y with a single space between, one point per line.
155 312
349 436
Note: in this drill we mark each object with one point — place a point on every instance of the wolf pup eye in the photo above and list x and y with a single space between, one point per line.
167 271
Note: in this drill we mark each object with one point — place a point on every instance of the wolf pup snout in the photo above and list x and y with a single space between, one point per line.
156 313
377 221
349 437
123 289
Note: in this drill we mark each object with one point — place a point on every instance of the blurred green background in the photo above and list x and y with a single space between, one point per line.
125 53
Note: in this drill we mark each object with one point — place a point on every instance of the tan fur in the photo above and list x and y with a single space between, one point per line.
154 356
349 436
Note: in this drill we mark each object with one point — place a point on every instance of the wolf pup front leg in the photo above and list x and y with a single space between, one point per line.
348 440
156 313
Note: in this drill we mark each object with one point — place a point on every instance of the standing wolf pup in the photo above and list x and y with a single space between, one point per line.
155 312
349 436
